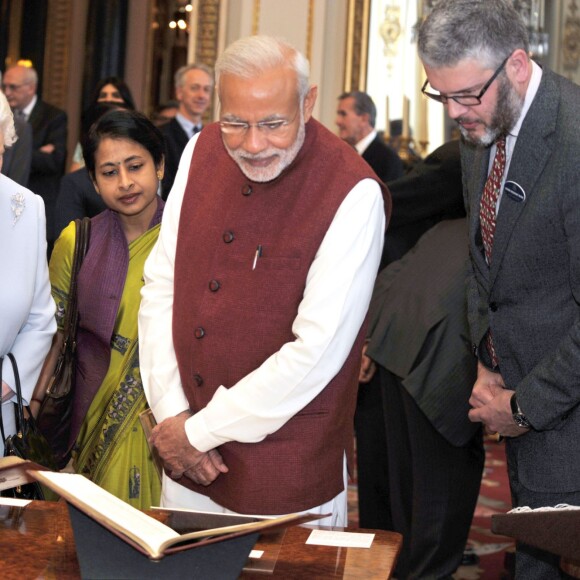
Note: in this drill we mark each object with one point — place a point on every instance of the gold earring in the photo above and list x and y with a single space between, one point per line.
160 175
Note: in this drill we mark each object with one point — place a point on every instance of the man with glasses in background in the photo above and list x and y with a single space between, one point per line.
521 137
49 133
255 297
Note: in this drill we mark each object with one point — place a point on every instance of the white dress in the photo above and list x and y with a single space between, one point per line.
26 305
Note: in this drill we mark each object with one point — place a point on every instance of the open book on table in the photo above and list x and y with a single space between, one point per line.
147 534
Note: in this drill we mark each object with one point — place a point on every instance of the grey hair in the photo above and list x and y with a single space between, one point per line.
249 57
363 104
181 72
6 122
485 30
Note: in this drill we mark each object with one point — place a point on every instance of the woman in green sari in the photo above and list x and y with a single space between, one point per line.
124 157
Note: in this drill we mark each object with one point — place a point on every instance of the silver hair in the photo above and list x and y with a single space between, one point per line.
6 122
181 72
249 57
485 30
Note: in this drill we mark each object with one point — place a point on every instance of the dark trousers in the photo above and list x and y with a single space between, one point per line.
371 456
433 486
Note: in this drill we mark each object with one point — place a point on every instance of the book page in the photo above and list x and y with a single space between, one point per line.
154 537
101 505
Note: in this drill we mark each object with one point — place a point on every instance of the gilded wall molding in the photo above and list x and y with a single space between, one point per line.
256 18
309 30
355 77
571 38
57 52
208 31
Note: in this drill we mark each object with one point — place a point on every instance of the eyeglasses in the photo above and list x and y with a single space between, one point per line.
12 87
466 100
274 128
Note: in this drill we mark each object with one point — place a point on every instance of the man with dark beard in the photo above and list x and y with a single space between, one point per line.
521 129
255 297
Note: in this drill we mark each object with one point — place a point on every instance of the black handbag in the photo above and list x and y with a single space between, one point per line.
55 414
27 442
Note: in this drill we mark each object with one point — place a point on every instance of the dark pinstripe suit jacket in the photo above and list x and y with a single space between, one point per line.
418 328
530 296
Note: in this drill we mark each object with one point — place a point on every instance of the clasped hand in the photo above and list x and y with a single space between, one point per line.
490 402
180 458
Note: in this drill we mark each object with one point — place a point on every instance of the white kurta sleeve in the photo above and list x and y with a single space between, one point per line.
157 361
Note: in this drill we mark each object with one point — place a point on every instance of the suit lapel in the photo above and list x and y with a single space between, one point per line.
36 115
532 151
479 161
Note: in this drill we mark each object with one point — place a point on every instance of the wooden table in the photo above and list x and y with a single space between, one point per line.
37 542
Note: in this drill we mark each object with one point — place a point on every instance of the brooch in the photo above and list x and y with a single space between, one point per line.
17 206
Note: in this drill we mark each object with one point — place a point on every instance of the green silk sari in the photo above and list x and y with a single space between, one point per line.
111 448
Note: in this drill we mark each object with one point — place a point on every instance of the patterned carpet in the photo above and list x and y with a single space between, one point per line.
495 552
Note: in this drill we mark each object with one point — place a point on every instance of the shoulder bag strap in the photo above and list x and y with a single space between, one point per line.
18 405
1 406
83 230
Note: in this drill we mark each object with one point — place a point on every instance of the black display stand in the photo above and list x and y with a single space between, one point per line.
102 554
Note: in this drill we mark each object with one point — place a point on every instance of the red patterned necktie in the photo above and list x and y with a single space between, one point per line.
487 216
490 197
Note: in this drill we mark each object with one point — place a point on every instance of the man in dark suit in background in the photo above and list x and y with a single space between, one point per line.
391 448
429 193
193 91
418 338
521 126
355 118
49 133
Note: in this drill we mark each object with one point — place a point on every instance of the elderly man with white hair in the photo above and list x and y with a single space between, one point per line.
255 297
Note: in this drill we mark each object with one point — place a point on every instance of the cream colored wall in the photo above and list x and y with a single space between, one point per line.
316 27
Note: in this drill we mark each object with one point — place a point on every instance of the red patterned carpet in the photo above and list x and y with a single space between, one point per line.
494 498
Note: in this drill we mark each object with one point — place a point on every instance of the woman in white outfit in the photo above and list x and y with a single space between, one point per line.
27 322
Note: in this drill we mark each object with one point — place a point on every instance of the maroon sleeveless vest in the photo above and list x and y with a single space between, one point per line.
229 318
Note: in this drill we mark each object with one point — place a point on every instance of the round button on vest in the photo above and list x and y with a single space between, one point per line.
228 237
493 306
198 379
247 190
214 285
199 332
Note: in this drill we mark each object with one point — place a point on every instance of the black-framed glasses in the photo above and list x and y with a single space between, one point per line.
466 100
